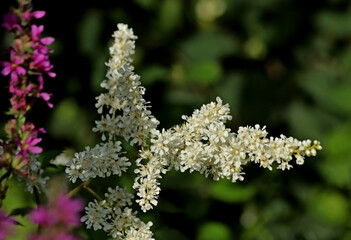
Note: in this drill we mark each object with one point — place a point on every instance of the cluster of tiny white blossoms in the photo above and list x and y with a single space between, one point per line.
205 145
127 115
103 160
202 143
115 216
123 113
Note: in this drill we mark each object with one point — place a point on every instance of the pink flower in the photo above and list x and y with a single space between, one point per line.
6 225
38 14
36 31
13 67
57 218
47 40
46 97
42 63
31 142
35 14
42 217
57 236
68 210
29 146
10 22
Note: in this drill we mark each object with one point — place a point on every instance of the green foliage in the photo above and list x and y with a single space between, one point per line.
209 45
225 191
214 231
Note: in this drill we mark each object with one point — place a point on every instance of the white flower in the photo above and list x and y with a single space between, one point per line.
119 197
103 160
96 215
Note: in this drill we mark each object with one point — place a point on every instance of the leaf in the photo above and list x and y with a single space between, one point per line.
98 71
304 121
332 23
170 14
153 73
214 231
329 206
20 211
166 233
147 4
182 97
205 72
69 121
89 31
229 192
209 46
336 168
230 91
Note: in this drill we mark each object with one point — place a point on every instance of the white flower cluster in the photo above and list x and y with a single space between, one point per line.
115 217
123 113
103 160
202 144
205 145
127 114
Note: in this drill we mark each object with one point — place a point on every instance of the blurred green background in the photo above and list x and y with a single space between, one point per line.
281 63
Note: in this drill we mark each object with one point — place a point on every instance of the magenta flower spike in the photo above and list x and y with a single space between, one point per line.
28 67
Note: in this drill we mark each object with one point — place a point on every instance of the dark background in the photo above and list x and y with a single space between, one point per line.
285 64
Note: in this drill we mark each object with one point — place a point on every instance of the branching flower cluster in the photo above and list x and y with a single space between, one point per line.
123 113
205 145
202 143
115 216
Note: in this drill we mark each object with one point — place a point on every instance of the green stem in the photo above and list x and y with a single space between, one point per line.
77 189
36 196
6 175
93 193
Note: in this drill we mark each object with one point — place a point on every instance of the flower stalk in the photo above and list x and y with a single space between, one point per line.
26 68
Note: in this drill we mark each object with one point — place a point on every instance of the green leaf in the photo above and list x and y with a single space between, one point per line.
153 73
20 211
166 233
336 168
182 97
170 14
229 192
70 122
147 4
230 91
209 45
205 72
98 71
304 121
330 206
334 24
214 231
89 31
